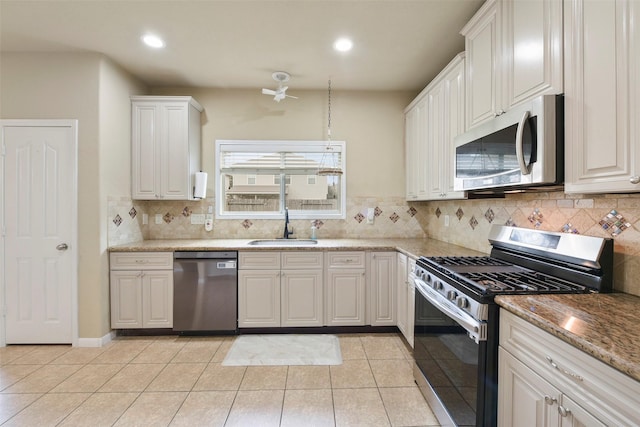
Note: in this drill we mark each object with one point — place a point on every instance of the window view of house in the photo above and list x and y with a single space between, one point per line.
259 180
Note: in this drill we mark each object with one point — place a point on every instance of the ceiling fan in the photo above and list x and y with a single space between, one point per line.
280 93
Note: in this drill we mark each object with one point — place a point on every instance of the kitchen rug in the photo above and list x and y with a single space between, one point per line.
284 349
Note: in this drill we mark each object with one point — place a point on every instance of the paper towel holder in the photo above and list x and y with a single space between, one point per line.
200 185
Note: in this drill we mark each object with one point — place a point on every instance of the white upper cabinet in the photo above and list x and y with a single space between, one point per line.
432 120
514 53
482 41
165 147
602 96
532 50
416 148
446 121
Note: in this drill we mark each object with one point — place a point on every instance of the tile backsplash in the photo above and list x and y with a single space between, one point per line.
392 218
616 216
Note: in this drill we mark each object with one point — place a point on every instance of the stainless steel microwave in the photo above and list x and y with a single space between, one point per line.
521 148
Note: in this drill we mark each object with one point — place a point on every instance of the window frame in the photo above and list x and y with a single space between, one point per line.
279 146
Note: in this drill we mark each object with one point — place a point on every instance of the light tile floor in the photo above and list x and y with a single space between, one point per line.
179 381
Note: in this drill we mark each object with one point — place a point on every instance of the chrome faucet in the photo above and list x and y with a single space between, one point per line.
287 231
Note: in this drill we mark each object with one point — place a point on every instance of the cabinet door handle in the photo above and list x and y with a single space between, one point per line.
635 179
550 400
564 371
564 412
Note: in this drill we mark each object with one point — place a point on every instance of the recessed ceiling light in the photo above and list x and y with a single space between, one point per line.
343 44
152 40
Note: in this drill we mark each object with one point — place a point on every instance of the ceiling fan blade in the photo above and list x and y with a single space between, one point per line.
279 97
291 96
268 92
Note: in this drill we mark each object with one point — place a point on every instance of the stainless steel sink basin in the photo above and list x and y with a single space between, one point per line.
283 242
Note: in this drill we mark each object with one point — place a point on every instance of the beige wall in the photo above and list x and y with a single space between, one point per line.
116 86
89 88
372 124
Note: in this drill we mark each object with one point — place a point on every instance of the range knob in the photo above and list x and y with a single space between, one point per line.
452 295
462 302
437 285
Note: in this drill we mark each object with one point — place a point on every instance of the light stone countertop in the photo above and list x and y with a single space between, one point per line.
602 325
411 247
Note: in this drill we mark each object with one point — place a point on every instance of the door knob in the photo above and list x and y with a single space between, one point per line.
62 247
634 179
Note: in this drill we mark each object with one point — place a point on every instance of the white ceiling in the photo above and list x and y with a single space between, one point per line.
398 44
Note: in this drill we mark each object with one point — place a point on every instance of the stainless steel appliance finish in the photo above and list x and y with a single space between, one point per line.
521 148
456 318
205 291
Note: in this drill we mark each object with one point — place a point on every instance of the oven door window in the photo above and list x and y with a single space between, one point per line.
448 358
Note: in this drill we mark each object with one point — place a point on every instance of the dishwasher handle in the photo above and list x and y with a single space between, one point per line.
231 255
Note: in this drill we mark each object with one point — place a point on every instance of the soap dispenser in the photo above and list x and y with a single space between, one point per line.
313 231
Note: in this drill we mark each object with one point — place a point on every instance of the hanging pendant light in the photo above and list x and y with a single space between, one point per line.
329 165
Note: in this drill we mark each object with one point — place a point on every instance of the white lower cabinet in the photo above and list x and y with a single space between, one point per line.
543 381
406 297
381 287
301 298
280 289
258 298
141 285
345 296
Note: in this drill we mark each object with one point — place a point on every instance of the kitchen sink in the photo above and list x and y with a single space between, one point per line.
283 242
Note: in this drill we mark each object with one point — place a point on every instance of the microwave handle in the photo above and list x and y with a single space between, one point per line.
524 168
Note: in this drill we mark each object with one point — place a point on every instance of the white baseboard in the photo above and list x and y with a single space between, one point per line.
96 342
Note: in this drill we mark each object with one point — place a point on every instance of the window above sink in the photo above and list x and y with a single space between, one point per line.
258 179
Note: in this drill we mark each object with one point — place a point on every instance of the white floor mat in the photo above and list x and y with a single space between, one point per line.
284 350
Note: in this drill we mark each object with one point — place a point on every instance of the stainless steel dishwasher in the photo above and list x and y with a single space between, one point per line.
205 291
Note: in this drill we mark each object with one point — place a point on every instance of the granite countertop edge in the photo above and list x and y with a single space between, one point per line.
412 247
603 325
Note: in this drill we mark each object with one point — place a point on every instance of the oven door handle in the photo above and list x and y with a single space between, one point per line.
476 329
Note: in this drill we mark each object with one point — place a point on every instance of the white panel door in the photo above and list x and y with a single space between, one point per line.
40 220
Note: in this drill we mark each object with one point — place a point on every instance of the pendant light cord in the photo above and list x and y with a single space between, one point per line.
329 114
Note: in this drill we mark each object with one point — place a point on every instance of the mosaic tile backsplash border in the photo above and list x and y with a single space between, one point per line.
616 216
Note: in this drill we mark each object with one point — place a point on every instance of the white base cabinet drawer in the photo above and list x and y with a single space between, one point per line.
141 260
598 391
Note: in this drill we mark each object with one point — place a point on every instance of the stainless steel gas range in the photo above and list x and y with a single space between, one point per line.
456 318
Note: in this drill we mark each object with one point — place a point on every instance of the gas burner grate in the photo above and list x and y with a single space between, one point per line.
466 261
525 282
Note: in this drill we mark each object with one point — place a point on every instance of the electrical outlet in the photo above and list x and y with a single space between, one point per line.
197 219
371 214
158 218
145 219
208 222
446 220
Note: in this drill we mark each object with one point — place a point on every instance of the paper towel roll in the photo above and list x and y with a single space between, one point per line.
200 186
